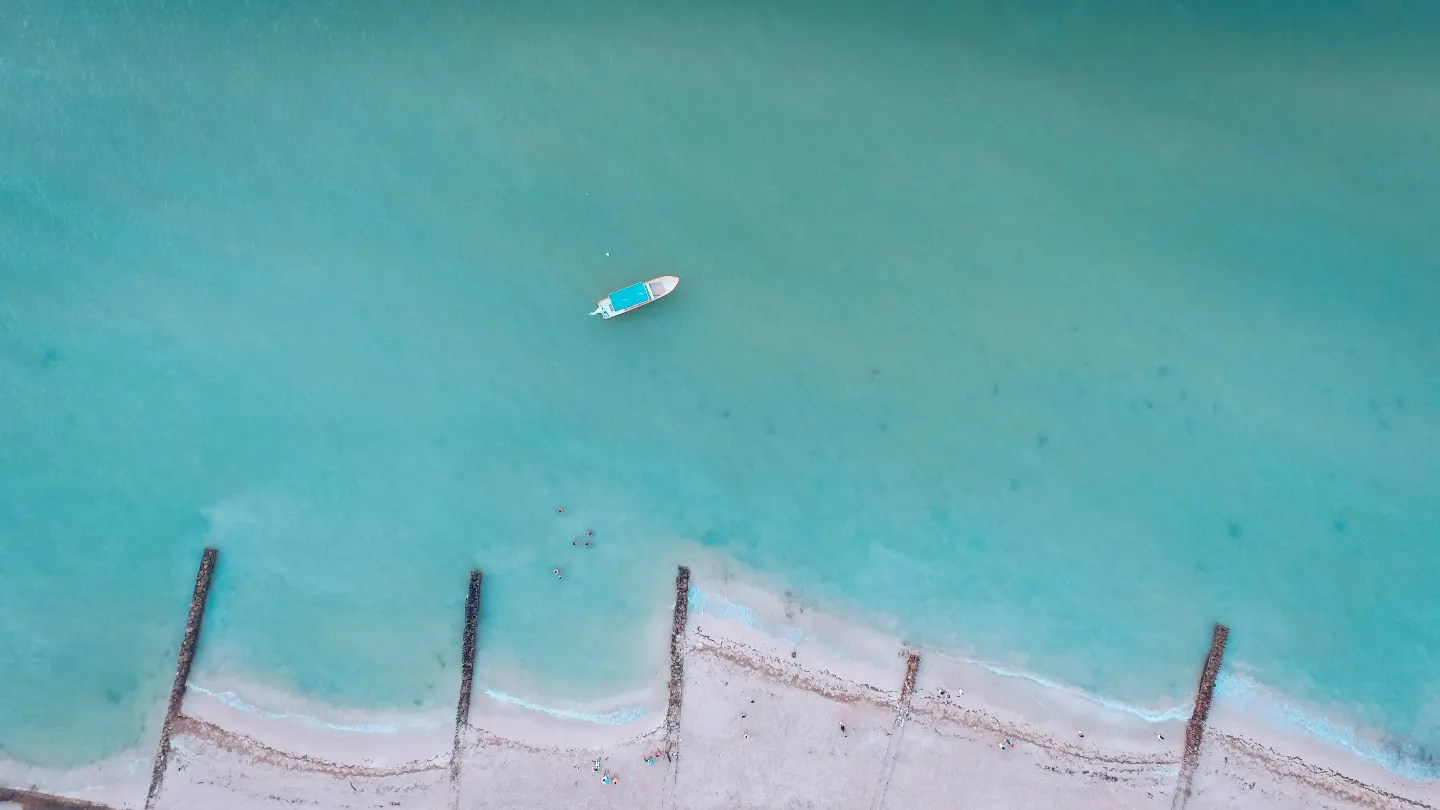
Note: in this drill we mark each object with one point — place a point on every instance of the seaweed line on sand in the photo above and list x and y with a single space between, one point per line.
257 751
823 683
937 710
484 738
1323 780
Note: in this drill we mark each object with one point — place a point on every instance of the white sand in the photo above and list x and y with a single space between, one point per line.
760 728
118 782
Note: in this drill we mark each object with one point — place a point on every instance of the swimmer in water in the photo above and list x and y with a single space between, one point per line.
556 572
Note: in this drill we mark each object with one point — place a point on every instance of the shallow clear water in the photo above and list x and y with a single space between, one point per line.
1054 333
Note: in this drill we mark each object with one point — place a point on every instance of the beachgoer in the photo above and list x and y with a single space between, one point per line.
1081 733
556 572
587 542
595 766
560 511
576 543
1159 736
589 532
842 728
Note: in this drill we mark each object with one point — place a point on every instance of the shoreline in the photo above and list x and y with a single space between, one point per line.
796 656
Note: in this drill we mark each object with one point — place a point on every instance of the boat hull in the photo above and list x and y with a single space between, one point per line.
635 296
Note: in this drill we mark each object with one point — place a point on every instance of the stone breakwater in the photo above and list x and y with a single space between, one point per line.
191 639
677 662
30 800
912 671
1195 730
902 716
467 668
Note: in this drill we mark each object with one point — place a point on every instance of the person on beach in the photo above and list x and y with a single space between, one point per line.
842 729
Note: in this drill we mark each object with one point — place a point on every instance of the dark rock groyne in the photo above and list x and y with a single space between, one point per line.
1195 730
677 660
467 669
912 670
902 715
30 800
182 670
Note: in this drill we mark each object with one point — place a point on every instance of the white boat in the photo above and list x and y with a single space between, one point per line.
635 296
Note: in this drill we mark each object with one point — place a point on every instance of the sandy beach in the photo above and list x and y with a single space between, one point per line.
783 707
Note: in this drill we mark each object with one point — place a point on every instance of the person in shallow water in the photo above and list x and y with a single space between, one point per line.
556 572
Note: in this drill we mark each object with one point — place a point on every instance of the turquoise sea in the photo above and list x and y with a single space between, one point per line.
1050 331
